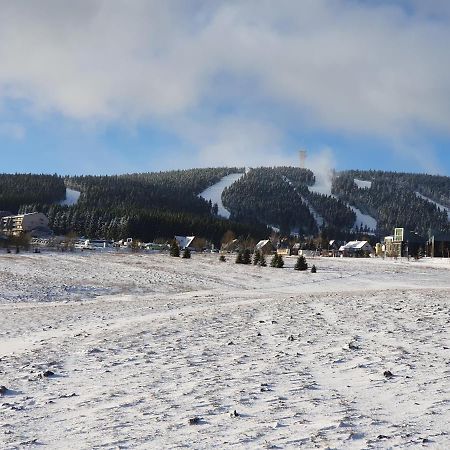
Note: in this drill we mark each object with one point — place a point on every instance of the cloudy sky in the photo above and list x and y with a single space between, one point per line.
107 86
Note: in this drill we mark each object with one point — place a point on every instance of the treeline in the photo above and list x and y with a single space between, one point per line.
263 196
20 189
392 199
168 191
435 187
146 225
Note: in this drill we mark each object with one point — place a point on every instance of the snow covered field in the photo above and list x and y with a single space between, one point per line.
140 343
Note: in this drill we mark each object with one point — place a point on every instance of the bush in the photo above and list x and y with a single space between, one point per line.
262 260
222 258
313 269
301 263
239 258
186 253
174 249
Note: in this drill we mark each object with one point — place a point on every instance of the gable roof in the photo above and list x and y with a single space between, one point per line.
184 241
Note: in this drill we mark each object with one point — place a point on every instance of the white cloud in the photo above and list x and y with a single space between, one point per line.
339 65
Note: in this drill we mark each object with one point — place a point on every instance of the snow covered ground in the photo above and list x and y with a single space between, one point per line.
140 343
441 207
363 184
214 192
72 197
364 219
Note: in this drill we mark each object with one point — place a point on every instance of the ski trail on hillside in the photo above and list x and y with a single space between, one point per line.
214 193
323 186
441 207
71 199
317 217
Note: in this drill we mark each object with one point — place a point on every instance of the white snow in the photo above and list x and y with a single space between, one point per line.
441 207
363 219
141 343
363 184
72 197
317 217
214 192
323 186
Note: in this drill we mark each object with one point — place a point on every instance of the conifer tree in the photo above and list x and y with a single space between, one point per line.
239 258
247 257
186 253
174 249
301 263
256 258
262 260
313 269
274 261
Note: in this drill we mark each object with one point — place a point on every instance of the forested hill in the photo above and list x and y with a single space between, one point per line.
397 199
159 205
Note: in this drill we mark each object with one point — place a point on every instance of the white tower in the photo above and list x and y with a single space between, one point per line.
302 154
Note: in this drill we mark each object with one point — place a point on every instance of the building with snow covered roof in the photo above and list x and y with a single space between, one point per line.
264 246
356 249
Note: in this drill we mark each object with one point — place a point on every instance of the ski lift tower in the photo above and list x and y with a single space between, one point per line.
302 154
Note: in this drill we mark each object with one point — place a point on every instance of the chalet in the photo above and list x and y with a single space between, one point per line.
265 247
231 246
23 223
356 249
438 245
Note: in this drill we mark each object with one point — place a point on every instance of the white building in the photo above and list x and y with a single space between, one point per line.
23 223
356 248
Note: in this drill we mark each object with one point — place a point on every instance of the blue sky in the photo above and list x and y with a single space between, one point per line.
110 86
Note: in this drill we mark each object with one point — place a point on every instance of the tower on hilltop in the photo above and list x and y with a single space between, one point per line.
302 154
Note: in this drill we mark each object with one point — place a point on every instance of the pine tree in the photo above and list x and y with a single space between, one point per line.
313 269
280 263
274 261
186 253
301 263
262 260
256 258
239 258
174 249
247 257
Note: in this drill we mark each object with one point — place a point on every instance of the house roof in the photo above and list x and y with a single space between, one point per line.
355 245
262 243
184 241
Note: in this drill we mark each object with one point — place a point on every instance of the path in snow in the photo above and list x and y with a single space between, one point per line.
72 197
363 219
441 207
214 192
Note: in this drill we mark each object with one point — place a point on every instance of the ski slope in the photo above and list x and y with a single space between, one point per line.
214 193
72 197
441 207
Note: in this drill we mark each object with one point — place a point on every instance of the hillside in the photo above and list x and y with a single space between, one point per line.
159 205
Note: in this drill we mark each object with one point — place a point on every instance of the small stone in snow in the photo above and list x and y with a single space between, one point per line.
234 414
3 390
388 374
230 343
47 374
194 421
291 338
